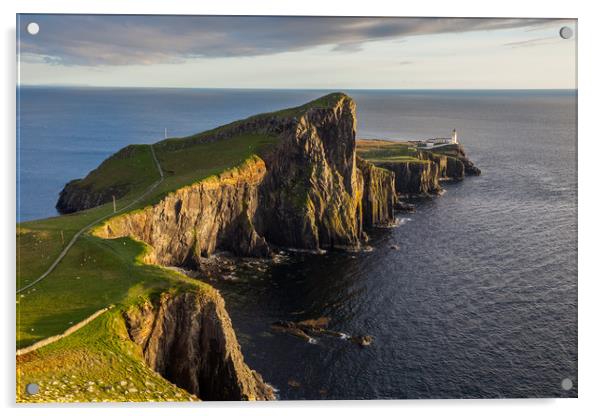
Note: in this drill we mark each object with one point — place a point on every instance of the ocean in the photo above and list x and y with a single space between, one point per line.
480 299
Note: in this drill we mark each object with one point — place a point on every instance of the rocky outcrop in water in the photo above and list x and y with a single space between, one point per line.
310 328
189 340
422 175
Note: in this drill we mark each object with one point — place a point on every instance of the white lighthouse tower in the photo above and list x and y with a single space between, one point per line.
454 137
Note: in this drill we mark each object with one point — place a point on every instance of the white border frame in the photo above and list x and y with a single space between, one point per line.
590 286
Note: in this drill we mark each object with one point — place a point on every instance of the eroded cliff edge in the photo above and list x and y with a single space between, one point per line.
306 193
418 171
188 339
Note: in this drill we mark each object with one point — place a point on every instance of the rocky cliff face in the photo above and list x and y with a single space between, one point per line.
452 162
306 193
422 177
194 221
311 197
449 167
415 178
379 194
189 340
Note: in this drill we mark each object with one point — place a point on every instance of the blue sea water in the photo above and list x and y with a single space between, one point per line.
480 300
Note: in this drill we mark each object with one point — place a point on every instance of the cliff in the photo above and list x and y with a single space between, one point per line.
194 221
452 162
189 340
379 194
418 170
311 197
75 197
414 177
449 167
306 192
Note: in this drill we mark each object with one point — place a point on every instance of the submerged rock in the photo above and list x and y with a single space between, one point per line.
317 327
362 340
294 383
404 206
292 329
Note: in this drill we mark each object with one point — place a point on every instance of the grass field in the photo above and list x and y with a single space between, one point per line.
186 166
393 151
387 151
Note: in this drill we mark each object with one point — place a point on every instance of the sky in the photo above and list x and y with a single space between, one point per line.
295 52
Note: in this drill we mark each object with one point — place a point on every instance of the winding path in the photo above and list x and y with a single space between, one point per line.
93 223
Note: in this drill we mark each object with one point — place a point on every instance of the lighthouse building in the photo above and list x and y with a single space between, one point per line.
440 141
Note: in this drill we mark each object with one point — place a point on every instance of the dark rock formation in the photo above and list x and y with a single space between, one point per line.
189 340
363 340
450 167
421 177
80 194
470 167
75 197
317 327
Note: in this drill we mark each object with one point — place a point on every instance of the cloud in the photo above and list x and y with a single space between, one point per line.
92 40
531 42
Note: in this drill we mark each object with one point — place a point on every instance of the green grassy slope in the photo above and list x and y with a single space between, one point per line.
39 242
125 168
